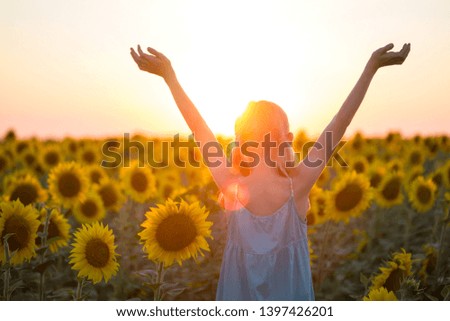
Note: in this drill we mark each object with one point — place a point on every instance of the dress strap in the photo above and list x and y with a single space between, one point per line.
291 186
236 189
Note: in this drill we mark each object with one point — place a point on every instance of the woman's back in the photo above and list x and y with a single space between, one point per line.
266 256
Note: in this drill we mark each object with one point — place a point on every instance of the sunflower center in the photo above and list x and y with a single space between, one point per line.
394 280
108 195
25 193
375 180
321 207
168 189
437 178
21 147
89 208
2 163
415 158
73 147
51 158
89 157
139 182
97 253
69 185
423 194
52 232
95 177
359 167
310 219
176 232
20 233
348 197
392 189
30 159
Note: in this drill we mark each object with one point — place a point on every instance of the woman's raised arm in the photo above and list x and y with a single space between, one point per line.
158 64
309 170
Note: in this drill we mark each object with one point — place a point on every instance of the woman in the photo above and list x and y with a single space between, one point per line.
266 198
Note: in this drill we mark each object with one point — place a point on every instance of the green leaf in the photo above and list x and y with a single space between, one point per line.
446 292
363 279
41 268
432 298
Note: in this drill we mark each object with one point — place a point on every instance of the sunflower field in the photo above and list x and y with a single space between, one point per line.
72 228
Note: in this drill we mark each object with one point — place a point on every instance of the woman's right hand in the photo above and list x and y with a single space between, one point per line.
155 63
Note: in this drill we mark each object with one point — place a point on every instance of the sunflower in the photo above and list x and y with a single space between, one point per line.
446 173
70 147
90 210
166 183
380 294
437 177
21 146
324 177
4 162
95 173
50 156
392 275
110 193
26 189
29 159
317 199
412 174
349 197
22 222
312 255
357 142
428 264
93 254
175 231
300 143
138 182
376 175
89 154
395 165
359 164
389 192
68 183
422 194
58 230
415 157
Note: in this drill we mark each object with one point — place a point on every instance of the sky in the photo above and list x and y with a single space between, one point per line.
65 67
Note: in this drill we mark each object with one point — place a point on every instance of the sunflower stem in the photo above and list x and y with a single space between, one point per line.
407 227
42 258
321 257
79 293
7 273
159 279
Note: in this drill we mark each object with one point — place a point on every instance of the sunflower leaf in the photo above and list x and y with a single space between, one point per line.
41 250
446 293
432 298
41 268
364 279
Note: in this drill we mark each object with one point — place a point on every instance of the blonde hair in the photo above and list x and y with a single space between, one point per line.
259 119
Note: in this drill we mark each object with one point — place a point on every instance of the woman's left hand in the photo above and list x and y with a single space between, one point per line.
382 58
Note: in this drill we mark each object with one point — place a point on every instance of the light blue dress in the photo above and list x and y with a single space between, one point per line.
266 257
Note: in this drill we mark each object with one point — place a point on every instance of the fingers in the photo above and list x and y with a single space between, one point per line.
406 49
388 47
153 51
135 56
140 51
140 61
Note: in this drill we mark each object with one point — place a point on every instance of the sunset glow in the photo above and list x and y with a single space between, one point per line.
66 68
